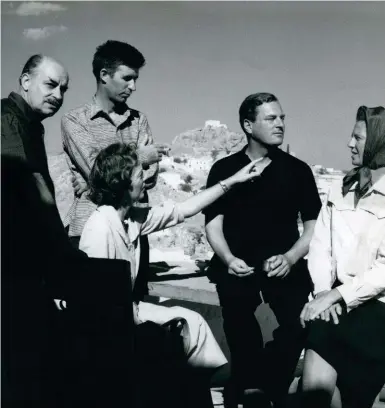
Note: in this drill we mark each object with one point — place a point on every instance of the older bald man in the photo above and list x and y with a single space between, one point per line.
34 243
42 85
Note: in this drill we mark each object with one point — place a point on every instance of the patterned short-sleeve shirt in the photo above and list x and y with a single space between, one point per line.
87 130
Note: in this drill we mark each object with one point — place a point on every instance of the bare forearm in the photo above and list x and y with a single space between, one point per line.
301 247
218 243
200 201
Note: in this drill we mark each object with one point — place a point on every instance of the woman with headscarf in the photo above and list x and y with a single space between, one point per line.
344 362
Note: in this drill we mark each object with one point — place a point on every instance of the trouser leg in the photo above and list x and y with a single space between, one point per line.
282 353
204 352
239 298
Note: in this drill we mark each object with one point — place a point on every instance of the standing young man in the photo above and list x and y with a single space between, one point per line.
254 233
105 120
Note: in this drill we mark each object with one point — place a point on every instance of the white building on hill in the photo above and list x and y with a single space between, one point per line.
214 124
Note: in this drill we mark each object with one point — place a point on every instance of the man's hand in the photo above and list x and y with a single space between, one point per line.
277 266
78 184
313 309
152 154
239 268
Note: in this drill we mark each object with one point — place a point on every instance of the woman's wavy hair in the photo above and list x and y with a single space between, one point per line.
110 176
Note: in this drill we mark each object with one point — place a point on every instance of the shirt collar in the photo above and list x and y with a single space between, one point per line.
24 108
272 154
379 185
369 202
96 109
113 219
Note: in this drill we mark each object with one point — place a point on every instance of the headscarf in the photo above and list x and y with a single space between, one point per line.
374 151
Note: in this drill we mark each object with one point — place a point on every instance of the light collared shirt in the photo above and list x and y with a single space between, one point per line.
104 235
348 245
85 132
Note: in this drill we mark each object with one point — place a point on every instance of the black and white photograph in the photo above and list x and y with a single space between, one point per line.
193 204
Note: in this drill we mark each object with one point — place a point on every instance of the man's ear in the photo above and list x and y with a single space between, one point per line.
104 75
25 81
247 125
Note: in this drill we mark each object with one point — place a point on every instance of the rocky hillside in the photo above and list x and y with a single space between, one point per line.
182 173
213 139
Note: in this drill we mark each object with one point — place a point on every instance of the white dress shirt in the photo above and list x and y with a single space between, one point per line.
349 245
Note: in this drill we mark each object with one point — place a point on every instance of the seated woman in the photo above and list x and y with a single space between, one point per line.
113 231
345 357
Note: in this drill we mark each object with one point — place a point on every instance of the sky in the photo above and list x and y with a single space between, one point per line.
321 59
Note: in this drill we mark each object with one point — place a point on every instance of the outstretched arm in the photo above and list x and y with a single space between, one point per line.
200 201
162 217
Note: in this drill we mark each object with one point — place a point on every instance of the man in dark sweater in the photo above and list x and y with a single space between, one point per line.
253 231
34 244
43 83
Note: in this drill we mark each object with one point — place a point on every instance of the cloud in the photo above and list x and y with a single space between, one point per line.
41 33
36 8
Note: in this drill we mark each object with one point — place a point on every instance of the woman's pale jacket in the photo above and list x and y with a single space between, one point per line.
348 245
105 236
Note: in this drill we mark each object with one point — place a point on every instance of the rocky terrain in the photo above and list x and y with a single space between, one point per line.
183 173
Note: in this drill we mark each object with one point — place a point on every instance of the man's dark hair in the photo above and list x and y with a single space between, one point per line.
113 53
110 176
31 65
249 107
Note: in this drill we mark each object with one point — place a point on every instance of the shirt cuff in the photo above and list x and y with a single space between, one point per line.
147 155
319 288
348 293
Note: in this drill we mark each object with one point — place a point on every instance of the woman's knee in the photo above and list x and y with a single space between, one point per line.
319 381
317 371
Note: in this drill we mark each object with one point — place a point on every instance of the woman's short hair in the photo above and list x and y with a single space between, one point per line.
110 176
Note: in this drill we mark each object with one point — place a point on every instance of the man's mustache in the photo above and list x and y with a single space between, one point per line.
54 102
